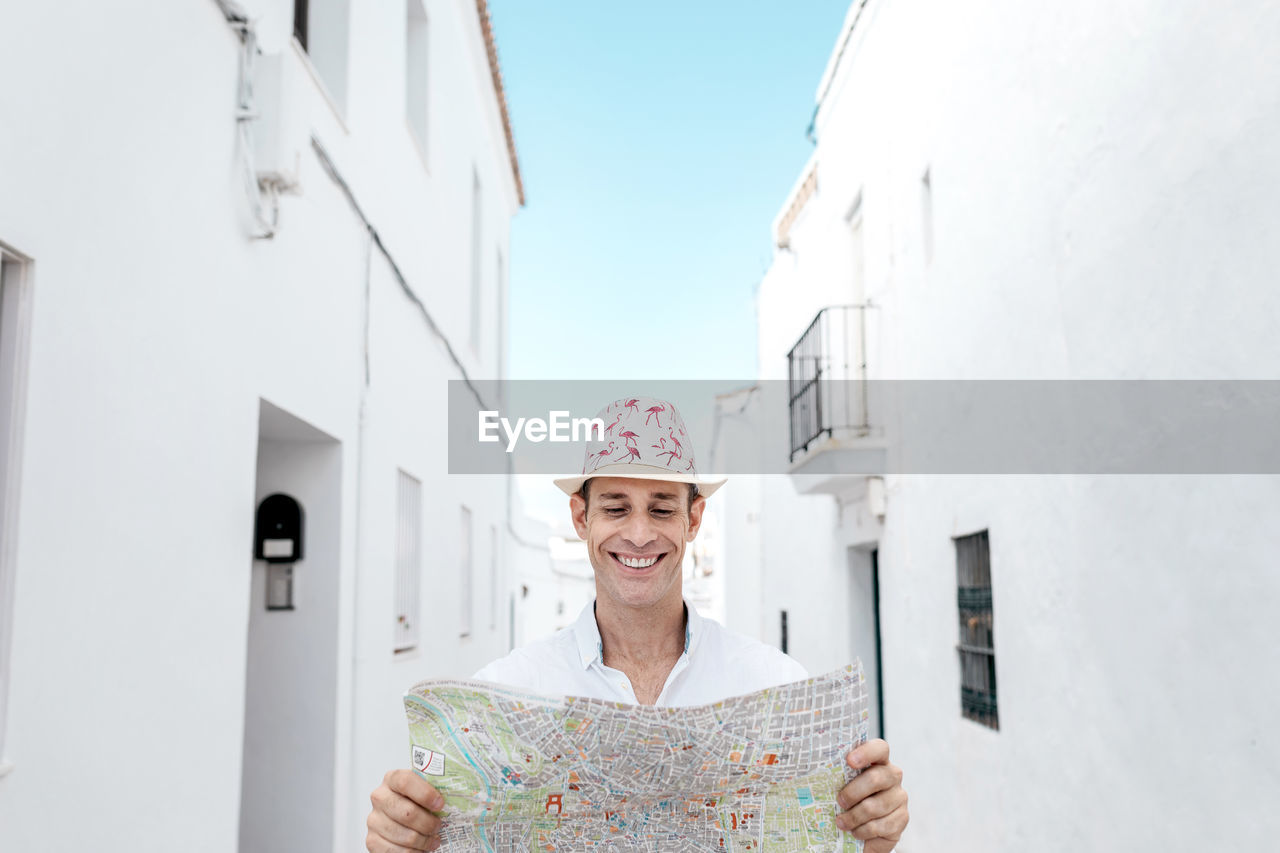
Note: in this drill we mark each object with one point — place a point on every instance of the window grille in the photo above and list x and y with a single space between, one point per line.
827 382
977 642
408 561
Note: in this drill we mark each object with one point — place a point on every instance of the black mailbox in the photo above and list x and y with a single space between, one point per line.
277 538
278 531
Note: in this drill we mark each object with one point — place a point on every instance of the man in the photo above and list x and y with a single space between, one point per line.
637 504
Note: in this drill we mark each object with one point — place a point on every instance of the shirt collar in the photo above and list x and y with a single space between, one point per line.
586 633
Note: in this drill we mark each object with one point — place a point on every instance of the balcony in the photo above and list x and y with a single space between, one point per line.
835 441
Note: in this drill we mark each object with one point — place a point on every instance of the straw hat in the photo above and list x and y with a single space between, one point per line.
644 439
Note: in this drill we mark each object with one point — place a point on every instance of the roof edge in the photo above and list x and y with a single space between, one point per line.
847 31
491 50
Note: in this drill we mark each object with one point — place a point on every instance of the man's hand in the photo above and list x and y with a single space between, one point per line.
401 820
873 806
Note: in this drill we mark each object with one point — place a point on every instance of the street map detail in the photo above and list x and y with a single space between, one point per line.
523 771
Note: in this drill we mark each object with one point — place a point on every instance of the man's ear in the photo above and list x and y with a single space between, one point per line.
578 512
695 517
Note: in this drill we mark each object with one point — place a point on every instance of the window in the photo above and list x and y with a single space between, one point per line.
464 562
416 72
408 561
977 644
493 577
300 22
500 300
857 265
926 217
475 262
320 27
15 313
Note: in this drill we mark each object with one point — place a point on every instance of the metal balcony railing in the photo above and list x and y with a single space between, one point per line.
827 378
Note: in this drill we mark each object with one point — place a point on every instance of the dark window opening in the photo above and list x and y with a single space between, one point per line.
300 21
875 605
783 644
977 641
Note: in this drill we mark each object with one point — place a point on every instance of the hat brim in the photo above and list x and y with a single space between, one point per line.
635 471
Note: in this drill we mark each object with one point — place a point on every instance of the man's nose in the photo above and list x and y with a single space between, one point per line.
639 531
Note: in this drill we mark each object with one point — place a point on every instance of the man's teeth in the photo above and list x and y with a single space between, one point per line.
637 563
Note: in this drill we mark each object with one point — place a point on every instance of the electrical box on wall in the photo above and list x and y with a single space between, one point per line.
876 500
281 129
278 539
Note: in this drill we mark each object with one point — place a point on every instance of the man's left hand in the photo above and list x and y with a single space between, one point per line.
873 806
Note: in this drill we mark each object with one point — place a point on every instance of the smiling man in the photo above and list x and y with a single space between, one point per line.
637 504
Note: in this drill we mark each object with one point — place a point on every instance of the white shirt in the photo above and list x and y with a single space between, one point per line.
716 663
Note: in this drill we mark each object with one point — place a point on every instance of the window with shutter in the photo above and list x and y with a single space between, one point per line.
408 561
977 636
15 324
416 73
465 564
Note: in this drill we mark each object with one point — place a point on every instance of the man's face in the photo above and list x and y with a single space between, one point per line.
636 532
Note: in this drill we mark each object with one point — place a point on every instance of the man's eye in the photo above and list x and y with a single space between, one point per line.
662 513
614 510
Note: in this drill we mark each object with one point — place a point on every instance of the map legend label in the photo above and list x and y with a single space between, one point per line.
427 761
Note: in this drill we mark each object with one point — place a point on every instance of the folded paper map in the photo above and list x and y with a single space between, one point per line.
523 771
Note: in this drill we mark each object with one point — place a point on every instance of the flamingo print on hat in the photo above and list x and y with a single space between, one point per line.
643 437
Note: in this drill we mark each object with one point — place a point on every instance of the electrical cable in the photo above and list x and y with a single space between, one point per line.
255 189
331 169
326 162
268 223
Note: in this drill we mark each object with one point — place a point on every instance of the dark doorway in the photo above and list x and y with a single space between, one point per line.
864 627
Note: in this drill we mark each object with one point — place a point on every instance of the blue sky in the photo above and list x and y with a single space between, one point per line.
657 142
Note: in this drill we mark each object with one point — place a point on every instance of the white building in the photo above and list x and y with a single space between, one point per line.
164 367
1034 193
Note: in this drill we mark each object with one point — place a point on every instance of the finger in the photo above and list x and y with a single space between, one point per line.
375 843
881 777
871 808
889 827
411 785
388 828
878 845
403 811
864 755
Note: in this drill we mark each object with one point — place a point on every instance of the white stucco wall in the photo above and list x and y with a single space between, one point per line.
158 326
1098 211
292 658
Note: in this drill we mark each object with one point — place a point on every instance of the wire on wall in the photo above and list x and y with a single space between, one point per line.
267 216
331 169
263 195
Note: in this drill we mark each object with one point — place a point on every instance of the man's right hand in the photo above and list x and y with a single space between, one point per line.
401 820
